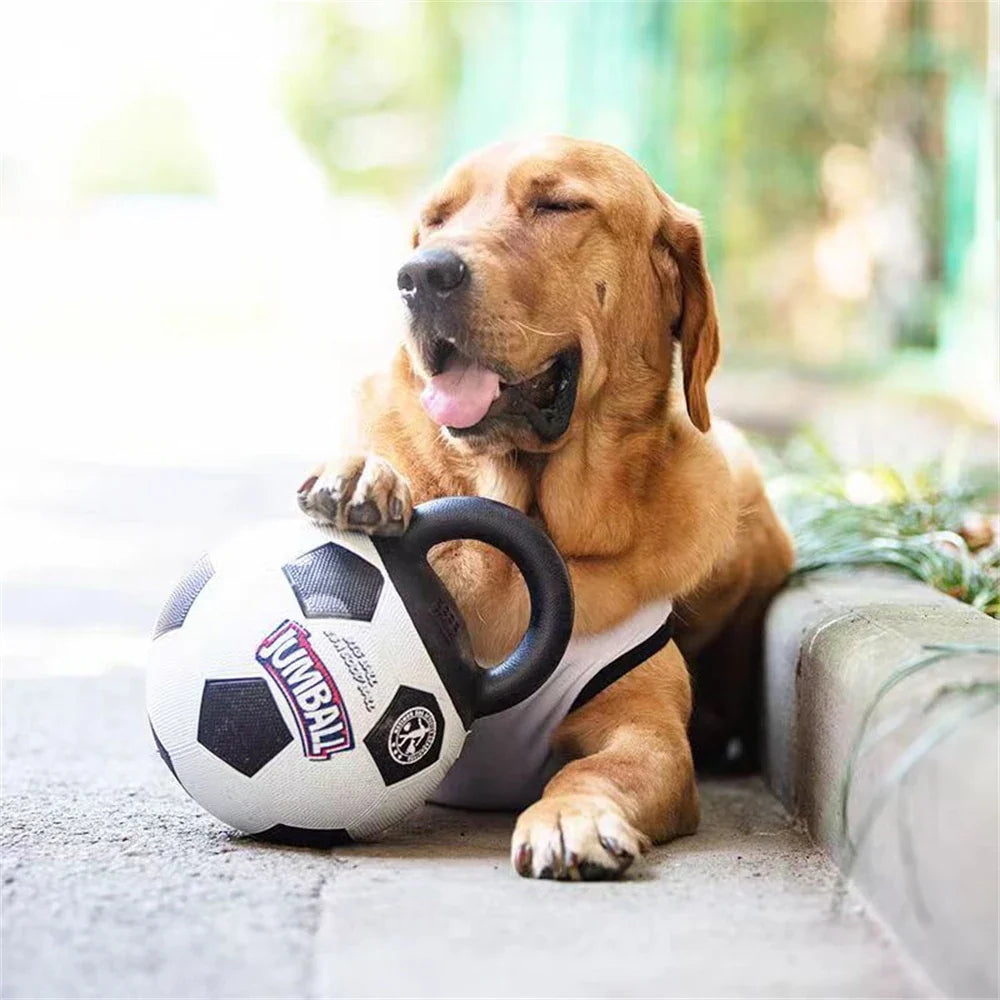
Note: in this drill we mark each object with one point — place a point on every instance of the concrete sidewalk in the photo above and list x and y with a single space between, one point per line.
116 885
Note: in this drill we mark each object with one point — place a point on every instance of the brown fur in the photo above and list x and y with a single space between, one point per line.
642 498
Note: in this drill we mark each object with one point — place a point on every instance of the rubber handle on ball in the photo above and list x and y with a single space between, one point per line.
550 622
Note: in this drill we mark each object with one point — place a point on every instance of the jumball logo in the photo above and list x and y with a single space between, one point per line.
287 655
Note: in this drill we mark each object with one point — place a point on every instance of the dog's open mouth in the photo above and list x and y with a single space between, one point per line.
464 394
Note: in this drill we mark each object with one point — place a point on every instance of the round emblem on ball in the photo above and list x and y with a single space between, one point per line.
412 735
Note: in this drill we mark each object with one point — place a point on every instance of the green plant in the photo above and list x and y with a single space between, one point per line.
931 522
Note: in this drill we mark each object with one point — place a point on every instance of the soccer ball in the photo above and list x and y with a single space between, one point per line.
314 686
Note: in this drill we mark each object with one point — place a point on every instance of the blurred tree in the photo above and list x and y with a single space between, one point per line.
367 86
813 137
830 146
723 102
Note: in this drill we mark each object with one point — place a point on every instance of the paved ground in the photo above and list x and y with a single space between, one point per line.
115 885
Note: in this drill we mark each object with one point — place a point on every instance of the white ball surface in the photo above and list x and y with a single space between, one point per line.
339 723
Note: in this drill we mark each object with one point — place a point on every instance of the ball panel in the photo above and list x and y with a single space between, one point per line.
407 738
240 723
333 582
297 836
179 603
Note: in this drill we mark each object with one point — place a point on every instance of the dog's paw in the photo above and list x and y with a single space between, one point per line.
364 493
574 837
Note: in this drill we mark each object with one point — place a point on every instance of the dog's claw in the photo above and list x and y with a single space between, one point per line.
613 847
362 494
522 860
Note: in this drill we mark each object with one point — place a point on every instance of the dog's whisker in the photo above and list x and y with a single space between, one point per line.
521 330
534 329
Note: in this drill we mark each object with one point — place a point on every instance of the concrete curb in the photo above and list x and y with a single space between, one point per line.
922 804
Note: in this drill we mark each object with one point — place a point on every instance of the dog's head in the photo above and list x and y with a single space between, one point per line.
546 277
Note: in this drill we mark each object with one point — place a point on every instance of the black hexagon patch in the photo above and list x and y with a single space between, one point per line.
334 582
240 723
408 736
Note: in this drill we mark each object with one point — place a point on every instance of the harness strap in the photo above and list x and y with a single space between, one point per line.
621 665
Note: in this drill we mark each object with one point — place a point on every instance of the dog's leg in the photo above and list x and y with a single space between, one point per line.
632 785
361 493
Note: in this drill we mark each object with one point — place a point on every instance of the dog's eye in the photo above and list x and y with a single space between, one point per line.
546 206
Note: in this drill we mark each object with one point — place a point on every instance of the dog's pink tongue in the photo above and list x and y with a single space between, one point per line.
461 394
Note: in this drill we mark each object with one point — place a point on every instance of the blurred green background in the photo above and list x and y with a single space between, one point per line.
241 175
839 151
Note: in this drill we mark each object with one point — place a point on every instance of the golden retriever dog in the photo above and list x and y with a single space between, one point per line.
551 286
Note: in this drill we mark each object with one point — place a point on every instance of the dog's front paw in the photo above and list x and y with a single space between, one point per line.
575 837
364 493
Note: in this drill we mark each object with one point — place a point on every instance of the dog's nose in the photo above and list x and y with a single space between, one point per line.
431 273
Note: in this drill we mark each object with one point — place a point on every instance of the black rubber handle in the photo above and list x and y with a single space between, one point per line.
551 620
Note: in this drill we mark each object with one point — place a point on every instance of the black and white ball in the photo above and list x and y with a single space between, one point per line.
290 693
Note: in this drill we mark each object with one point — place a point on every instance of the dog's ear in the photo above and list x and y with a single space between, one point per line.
679 254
